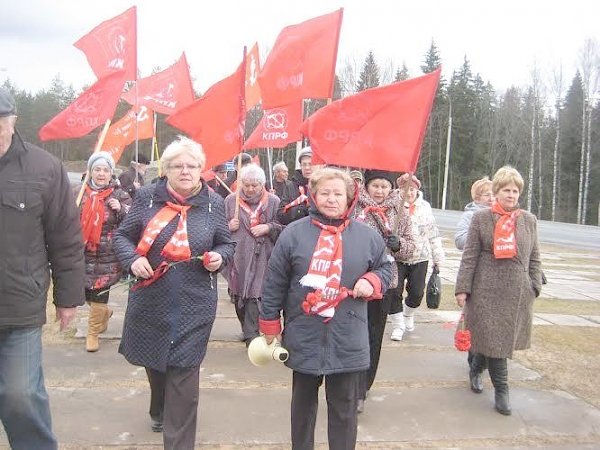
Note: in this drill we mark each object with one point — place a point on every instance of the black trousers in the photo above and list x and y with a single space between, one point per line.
377 317
174 401
247 311
414 275
92 295
340 391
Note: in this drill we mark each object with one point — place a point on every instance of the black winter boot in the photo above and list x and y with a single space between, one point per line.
476 366
499 374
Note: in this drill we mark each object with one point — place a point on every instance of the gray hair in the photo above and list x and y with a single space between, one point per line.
183 145
279 166
252 172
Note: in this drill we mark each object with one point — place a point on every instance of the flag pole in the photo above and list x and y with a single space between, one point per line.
99 143
242 121
270 162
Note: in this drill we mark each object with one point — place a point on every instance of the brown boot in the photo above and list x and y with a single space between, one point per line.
106 314
95 324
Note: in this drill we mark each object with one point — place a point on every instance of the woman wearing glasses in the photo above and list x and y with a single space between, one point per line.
174 239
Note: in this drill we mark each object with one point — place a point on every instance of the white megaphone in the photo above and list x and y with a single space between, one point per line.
260 353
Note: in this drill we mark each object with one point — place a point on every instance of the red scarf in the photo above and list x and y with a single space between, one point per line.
255 215
505 239
325 269
92 216
376 211
302 198
178 247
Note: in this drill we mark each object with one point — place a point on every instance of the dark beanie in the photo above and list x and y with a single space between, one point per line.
383 174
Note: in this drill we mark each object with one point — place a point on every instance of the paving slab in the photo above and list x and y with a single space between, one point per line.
567 320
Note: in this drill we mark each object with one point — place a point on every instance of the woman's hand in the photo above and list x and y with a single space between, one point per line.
363 289
259 230
234 224
141 268
215 262
114 204
461 299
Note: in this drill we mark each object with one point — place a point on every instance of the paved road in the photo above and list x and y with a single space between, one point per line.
578 236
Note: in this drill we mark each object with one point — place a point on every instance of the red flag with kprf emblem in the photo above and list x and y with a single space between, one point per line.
215 119
252 71
90 110
112 45
166 91
122 133
302 62
277 128
379 128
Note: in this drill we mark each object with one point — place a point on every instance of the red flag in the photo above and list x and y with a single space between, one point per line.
277 128
90 110
379 128
302 62
252 71
112 45
215 119
122 133
164 92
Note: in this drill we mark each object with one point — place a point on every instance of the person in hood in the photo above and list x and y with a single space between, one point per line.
323 271
483 197
133 178
103 208
294 201
413 269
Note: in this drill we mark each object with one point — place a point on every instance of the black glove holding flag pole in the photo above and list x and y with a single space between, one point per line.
392 242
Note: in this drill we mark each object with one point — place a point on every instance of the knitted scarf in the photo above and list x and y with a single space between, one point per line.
92 216
325 269
302 198
178 247
254 216
505 240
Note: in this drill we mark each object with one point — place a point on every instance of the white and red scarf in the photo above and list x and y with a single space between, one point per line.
302 198
377 211
255 215
92 216
325 271
505 239
178 247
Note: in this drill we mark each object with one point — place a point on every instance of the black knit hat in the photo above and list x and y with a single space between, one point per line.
373 174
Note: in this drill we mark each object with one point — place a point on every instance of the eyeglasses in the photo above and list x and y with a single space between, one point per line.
182 167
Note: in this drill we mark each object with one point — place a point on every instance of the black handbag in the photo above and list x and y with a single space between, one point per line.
434 289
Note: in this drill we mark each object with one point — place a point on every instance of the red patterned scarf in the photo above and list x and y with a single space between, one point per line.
178 247
505 240
376 211
255 215
302 198
325 269
92 216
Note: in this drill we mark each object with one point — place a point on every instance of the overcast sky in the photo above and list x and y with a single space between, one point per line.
501 39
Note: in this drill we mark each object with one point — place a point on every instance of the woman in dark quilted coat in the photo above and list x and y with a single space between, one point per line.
175 238
103 207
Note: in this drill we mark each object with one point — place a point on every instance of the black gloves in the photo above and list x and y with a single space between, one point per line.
392 242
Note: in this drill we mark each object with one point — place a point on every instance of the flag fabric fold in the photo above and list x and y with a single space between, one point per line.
91 109
215 119
252 71
122 133
379 128
277 128
166 91
112 45
302 62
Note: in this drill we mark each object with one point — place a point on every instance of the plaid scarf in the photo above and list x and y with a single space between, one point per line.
178 247
325 269
505 240
255 215
302 198
92 216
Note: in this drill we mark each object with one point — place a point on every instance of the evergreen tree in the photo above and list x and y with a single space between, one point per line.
402 74
369 77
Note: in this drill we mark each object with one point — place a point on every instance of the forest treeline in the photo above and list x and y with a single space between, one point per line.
548 130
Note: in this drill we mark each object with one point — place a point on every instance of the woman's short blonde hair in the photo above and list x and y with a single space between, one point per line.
183 145
479 187
507 175
330 173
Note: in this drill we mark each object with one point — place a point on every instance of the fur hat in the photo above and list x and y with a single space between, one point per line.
101 158
8 106
373 174
402 180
